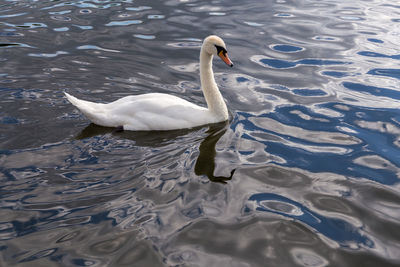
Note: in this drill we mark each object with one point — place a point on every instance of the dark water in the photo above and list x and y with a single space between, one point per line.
305 174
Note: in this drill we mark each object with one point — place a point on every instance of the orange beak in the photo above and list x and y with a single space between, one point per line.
225 58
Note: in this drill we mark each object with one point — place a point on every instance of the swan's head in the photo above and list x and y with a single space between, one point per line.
214 45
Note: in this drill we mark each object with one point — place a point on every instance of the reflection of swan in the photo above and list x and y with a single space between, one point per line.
157 111
205 164
141 138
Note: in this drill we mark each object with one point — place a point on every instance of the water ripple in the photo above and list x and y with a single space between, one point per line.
285 64
95 47
306 172
48 55
124 23
338 230
287 48
393 73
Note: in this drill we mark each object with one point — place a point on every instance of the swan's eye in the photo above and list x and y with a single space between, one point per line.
220 49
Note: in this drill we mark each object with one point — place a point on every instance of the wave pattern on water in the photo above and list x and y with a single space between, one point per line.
306 173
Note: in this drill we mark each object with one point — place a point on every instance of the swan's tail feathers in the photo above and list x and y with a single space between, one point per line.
93 111
74 101
82 105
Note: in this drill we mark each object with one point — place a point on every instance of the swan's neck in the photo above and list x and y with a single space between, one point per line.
214 99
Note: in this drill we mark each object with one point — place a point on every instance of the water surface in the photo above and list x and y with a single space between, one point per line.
306 172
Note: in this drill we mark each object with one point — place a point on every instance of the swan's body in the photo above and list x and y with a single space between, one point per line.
156 111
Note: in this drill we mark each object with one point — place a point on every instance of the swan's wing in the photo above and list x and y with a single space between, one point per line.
153 101
156 112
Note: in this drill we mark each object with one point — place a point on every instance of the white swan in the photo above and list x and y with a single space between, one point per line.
156 111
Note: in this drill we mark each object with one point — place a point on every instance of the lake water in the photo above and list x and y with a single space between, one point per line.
306 172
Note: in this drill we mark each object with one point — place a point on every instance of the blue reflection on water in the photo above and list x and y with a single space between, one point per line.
373 90
285 64
375 40
335 229
370 142
393 73
309 92
123 23
336 74
287 48
375 54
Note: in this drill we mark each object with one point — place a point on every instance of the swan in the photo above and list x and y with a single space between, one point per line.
158 111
